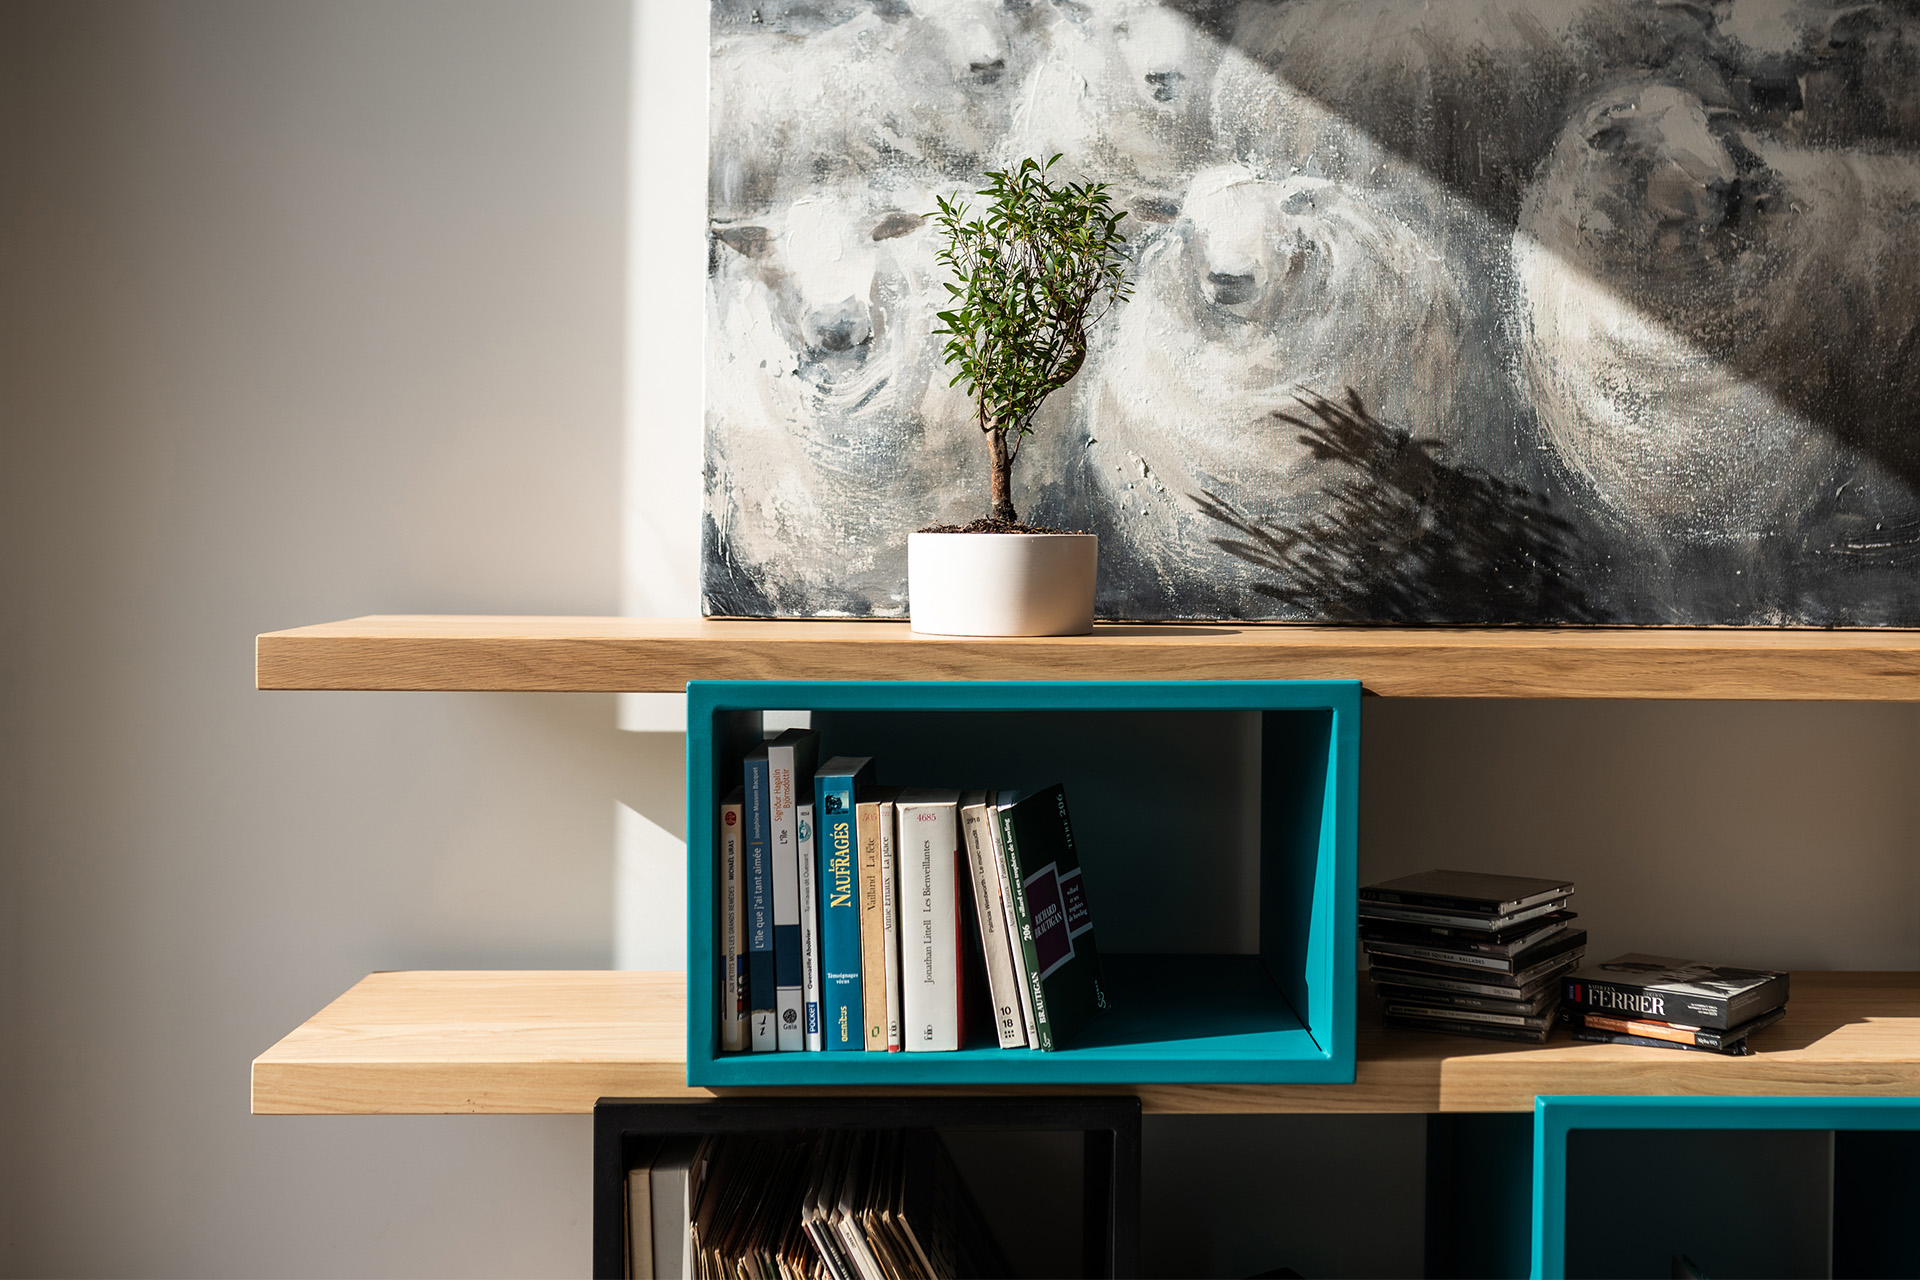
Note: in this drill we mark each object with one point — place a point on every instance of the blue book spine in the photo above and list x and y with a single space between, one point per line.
760 974
835 787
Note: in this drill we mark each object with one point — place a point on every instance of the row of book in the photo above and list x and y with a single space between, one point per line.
1468 953
855 917
885 1204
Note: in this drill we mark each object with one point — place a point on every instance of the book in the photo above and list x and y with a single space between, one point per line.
872 809
1467 892
1003 800
1499 942
790 761
1054 923
979 811
733 964
1429 1013
1391 912
1683 991
836 786
762 1012
1557 945
810 978
1456 1027
1638 1029
931 1002
1465 982
640 1209
1552 965
674 1179
890 905
1545 999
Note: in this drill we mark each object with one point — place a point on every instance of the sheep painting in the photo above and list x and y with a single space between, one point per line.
1496 311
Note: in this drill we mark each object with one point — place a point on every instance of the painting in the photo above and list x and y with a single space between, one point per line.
1493 311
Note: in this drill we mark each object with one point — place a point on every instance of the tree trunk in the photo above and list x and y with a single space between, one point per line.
1002 476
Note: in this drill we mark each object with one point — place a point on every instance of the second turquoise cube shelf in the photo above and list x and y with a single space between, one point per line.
1217 972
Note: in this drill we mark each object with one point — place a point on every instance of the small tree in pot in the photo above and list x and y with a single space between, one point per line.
1043 263
1032 273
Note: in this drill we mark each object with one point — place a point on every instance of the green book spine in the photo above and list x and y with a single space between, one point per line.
1023 930
1056 925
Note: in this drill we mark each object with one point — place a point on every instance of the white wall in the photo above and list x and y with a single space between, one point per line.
315 310
310 310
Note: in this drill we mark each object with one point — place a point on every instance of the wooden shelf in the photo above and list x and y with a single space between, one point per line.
641 654
521 1042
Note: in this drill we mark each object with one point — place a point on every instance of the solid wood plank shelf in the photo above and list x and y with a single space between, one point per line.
549 1041
650 654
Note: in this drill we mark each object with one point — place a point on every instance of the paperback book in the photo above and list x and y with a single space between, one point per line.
1054 923
810 974
836 785
1683 991
930 946
762 1004
733 964
979 810
873 814
790 763
1588 1025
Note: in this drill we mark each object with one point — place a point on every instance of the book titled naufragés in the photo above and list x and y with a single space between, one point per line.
836 787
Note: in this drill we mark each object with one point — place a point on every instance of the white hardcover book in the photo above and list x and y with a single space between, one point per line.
733 1005
640 1222
890 919
816 1038
1002 800
675 1179
929 823
979 811
787 756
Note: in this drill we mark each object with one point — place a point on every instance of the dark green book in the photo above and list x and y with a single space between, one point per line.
1051 917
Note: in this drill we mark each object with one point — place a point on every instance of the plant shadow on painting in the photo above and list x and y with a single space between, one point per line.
1500 311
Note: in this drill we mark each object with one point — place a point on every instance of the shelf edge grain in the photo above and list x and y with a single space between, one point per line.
607 655
538 1042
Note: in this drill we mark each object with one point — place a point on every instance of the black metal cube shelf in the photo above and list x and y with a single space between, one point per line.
1110 1162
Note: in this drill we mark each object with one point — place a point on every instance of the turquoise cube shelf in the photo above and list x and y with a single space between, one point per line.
1220 968
1554 1118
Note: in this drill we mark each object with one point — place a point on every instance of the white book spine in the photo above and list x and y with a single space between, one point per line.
1008 914
733 1022
977 813
809 867
782 852
930 920
890 920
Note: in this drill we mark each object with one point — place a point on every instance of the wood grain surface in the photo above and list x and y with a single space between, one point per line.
649 654
554 1041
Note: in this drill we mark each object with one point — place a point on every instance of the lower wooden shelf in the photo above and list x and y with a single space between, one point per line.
549 1041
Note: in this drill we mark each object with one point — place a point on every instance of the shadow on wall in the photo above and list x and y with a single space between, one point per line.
1408 537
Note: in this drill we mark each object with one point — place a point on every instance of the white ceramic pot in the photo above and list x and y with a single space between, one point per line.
1001 584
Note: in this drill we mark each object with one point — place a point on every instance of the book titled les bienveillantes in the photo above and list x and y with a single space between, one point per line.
1051 917
1678 991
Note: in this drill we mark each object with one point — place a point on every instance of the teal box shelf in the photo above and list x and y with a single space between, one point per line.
1876 1163
1216 824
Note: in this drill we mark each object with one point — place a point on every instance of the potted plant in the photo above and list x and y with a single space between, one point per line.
1039 267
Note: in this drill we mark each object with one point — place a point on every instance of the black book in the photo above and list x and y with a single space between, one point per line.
1394 913
1497 942
1383 966
1542 1001
1052 919
1527 1035
1683 991
1465 958
1623 1030
1553 947
1472 892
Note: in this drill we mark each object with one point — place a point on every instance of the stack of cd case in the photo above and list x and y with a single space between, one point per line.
1468 953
